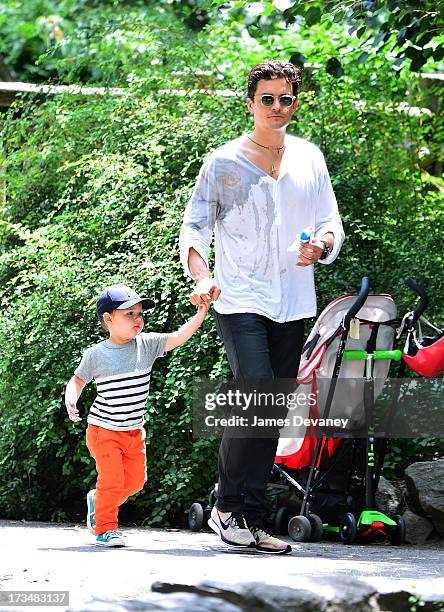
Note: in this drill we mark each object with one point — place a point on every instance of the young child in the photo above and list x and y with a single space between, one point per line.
121 368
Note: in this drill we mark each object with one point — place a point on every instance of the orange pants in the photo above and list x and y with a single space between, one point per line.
121 470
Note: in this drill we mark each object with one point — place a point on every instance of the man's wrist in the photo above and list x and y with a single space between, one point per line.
326 249
329 238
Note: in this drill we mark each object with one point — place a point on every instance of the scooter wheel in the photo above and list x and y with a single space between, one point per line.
347 529
317 528
299 529
196 517
396 534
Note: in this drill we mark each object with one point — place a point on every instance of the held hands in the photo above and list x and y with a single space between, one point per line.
204 292
310 252
190 327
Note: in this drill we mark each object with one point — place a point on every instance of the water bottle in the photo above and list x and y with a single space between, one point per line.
304 236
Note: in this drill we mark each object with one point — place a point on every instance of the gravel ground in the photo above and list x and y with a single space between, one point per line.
44 556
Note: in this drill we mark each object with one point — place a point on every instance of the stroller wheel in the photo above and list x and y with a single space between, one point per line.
207 513
347 529
299 529
317 528
195 517
396 535
281 521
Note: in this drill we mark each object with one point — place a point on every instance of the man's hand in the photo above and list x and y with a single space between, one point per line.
73 413
204 292
310 252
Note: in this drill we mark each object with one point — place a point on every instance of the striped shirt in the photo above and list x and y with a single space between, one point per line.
122 375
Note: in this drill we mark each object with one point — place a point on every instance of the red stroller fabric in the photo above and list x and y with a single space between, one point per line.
303 448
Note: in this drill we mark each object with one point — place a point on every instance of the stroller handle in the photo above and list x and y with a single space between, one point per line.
423 298
359 302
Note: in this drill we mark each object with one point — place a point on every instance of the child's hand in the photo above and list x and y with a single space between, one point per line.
202 309
73 413
189 328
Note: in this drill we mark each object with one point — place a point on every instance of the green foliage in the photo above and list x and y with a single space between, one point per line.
402 453
96 188
113 215
414 29
99 41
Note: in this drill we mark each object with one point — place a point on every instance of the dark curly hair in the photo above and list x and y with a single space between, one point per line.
274 69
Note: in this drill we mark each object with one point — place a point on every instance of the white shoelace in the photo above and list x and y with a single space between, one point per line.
113 534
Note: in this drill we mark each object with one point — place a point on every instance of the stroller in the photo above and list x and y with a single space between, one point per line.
353 339
337 478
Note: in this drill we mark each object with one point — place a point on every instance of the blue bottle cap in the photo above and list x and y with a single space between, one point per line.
305 236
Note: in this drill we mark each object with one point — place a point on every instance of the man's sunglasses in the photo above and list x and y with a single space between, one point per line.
284 100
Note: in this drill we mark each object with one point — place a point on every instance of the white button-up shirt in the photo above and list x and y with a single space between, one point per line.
255 219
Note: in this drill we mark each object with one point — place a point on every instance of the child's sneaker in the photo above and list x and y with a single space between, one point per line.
110 538
90 516
232 528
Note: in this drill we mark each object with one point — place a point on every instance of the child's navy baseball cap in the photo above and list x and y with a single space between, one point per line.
118 297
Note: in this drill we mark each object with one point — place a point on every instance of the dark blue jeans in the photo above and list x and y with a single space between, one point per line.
256 348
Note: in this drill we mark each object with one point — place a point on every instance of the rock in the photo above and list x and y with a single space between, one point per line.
252 596
333 594
153 602
321 594
398 600
387 497
404 601
417 528
425 486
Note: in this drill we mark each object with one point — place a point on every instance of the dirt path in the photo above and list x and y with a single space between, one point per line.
42 556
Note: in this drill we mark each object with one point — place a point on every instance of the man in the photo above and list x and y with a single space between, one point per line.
259 192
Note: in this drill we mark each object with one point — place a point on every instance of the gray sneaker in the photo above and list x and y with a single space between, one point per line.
232 528
269 544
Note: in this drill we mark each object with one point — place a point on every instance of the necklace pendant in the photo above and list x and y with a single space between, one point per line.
273 168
